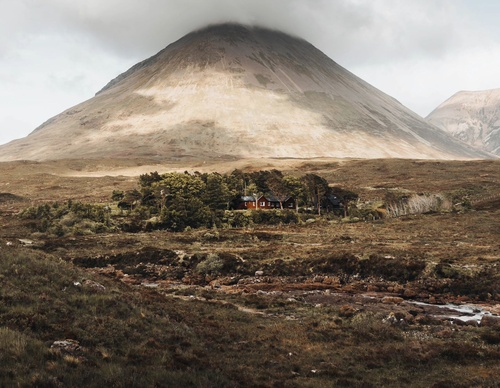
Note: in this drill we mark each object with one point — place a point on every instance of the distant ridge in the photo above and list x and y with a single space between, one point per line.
231 91
473 117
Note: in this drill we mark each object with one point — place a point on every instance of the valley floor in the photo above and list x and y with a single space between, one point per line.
329 303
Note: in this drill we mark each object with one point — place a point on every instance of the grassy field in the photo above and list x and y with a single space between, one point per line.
333 304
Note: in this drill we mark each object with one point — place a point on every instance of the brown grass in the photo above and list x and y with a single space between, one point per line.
210 322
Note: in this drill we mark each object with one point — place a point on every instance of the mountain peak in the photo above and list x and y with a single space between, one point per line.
473 117
219 43
239 92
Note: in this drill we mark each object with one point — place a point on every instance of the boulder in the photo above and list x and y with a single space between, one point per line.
93 286
67 346
493 309
25 241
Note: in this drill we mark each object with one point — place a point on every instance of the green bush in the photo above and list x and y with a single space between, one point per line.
117 195
183 213
70 218
274 217
238 219
212 265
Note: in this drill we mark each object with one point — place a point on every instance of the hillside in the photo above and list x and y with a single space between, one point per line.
473 117
233 92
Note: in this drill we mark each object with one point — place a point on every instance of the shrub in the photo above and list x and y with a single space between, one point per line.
212 265
72 217
238 219
367 327
418 204
12 343
185 212
491 336
117 195
274 217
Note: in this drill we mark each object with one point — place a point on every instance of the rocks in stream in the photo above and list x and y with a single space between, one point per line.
346 282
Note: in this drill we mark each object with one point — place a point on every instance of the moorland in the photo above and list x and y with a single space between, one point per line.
367 298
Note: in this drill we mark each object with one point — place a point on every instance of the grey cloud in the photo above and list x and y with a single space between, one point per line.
347 30
419 51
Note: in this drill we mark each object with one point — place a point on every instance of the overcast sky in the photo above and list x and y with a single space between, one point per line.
57 53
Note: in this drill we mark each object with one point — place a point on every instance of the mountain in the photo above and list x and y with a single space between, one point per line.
473 117
230 91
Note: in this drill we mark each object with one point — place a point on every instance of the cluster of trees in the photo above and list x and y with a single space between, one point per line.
71 217
177 201
180 200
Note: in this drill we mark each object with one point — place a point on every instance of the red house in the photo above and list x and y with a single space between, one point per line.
265 202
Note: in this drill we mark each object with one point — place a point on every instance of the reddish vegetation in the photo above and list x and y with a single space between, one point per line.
347 283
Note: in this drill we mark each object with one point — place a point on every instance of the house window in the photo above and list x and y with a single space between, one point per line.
290 204
262 204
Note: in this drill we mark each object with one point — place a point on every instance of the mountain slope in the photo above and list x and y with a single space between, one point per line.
239 92
473 117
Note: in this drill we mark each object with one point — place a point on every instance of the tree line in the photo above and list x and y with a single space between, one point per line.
181 200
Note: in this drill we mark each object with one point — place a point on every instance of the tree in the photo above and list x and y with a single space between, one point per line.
180 185
261 179
147 180
182 203
117 195
316 190
182 212
149 197
345 196
295 189
130 199
217 196
278 187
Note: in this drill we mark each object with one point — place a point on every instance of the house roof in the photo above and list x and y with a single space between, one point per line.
271 198
267 197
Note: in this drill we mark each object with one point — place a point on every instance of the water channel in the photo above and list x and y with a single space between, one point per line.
464 313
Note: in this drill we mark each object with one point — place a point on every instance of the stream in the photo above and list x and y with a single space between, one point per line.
464 313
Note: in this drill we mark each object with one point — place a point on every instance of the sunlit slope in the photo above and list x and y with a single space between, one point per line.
239 92
473 117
